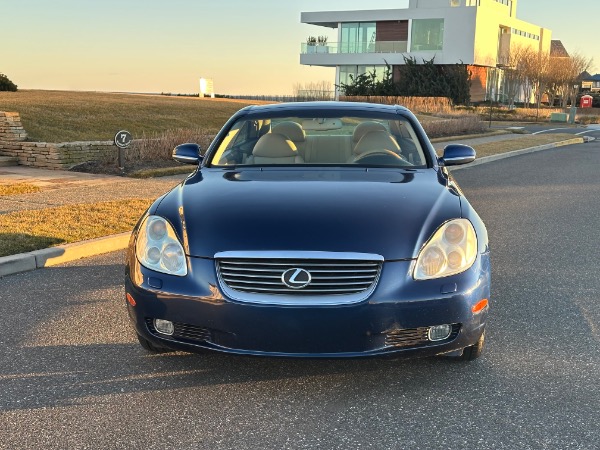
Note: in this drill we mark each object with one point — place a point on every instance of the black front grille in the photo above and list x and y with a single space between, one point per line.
329 277
183 331
415 337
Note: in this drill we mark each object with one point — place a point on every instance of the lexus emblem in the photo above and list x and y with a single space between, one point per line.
296 278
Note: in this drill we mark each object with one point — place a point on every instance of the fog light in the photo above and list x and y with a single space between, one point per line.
440 332
164 327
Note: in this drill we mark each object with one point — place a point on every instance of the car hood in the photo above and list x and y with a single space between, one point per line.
387 212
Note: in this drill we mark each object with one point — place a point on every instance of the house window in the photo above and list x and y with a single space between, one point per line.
427 34
358 37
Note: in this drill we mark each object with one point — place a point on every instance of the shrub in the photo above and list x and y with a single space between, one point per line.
415 80
586 120
434 80
427 105
454 127
159 146
6 84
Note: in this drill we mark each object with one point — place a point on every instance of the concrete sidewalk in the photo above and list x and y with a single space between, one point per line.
63 187
59 187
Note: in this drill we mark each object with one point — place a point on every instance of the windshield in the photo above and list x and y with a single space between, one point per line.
322 141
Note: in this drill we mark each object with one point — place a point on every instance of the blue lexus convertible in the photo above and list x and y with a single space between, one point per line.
313 230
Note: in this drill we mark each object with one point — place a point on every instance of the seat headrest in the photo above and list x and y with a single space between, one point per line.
363 128
292 130
376 140
274 146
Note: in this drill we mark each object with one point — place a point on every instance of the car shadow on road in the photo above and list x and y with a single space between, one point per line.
55 376
69 339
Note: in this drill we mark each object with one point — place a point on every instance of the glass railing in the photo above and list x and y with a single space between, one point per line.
345 47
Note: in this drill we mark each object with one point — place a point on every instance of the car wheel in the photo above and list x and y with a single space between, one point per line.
150 347
474 351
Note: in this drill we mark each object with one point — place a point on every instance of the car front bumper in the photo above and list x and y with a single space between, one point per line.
393 320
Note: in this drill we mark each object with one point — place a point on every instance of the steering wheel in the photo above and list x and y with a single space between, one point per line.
377 156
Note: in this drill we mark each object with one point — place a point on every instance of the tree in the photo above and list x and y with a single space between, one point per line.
6 84
515 71
576 66
458 79
539 76
314 90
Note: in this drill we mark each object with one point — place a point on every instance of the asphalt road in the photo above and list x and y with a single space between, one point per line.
589 130
73 376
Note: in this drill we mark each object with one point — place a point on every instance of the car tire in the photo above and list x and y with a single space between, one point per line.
474 351
150 347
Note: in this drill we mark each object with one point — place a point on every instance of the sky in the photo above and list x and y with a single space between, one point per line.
246 47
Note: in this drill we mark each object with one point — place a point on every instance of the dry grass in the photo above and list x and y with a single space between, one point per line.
532 114
464 124
159 146
415 104
586 120
162 171
18 188
471 136
63 116
66 224
155 150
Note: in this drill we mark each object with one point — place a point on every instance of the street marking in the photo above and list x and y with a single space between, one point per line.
588 131
552 129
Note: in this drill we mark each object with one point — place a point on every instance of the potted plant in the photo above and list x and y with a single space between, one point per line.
322 45
311 43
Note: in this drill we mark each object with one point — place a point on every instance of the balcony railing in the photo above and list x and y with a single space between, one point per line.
345 47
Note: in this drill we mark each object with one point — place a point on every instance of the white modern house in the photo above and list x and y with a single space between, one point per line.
479 33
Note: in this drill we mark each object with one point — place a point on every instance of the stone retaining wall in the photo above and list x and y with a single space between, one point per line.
11 128
58 156
48 155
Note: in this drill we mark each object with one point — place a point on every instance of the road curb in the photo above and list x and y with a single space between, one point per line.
523 151
48 257
25 262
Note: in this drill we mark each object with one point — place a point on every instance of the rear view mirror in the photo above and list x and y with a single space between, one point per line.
187 153
322 124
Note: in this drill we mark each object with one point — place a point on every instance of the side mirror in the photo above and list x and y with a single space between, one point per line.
458 154
187 153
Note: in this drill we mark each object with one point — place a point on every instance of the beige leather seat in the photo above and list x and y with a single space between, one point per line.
376 141
274 149
294 132
363 128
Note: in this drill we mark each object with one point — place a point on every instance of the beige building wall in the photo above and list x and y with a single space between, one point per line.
491 43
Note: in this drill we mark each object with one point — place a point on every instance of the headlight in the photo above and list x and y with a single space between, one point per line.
452 249
157 247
